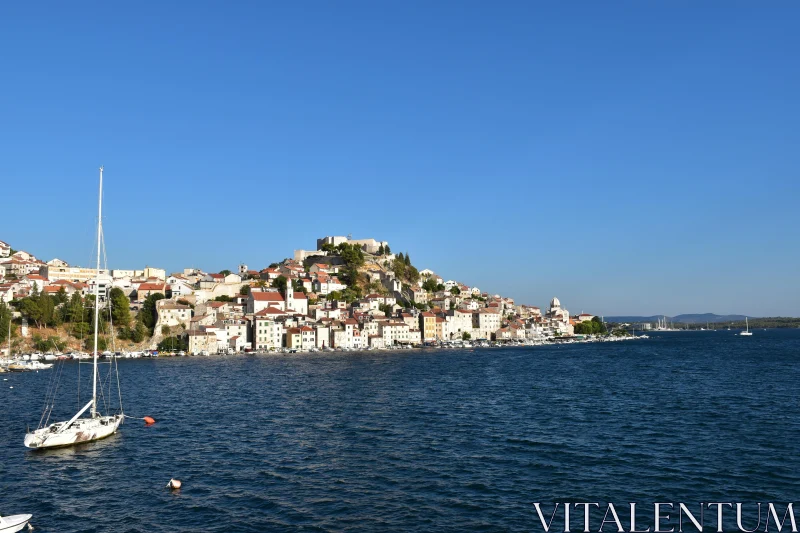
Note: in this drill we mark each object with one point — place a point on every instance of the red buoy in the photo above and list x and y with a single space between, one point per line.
148 421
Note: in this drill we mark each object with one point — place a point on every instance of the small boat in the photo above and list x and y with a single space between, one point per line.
14 523
746 332
38 365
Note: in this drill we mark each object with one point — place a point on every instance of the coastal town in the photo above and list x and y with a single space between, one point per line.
345 293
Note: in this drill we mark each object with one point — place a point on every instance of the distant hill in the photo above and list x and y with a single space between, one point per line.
701 318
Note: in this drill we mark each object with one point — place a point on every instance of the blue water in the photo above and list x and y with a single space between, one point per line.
434 440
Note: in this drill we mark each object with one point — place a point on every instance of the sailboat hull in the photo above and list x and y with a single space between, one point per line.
82 430
14 523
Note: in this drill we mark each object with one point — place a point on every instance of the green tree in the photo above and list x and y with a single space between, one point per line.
244 290
149 311
225 272
280 284
386 308
74 310
387 250
407 259
30 309
298 286
350 295
174 344
223 298
61 296
381 250
399 267
5 320
79 330
139 333
429 284
49 344
102 344
351 254
412 274
120 307
465 336
455 291
597 326
48 309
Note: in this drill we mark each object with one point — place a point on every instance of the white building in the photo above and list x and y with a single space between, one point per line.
173 314
394 332
67 273
103 288
327 285
267 333
158 273
485 322
130 274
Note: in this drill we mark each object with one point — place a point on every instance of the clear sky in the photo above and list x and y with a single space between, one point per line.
627 157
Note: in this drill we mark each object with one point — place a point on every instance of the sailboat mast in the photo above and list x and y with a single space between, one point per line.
97 294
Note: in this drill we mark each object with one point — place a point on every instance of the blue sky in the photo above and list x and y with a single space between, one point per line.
628 157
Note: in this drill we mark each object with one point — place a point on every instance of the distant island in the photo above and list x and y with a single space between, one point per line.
697 320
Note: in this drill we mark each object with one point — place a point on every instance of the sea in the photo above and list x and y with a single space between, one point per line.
415 441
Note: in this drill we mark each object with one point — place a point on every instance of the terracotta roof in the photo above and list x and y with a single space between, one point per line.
151 287
270 311
173 306
267 296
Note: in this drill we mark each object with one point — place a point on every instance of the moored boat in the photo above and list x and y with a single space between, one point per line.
14 523
77 429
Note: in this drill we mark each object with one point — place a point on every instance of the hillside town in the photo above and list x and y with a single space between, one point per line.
345 293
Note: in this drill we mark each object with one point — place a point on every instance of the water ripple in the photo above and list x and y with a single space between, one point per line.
422 441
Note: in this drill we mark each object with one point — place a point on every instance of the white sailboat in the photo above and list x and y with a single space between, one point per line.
77 429
747 331
14 523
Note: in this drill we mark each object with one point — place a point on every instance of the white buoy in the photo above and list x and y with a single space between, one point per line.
174 484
